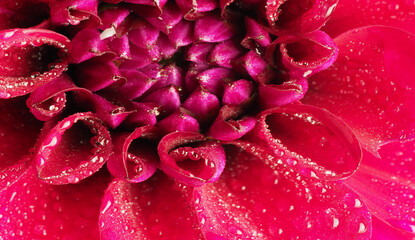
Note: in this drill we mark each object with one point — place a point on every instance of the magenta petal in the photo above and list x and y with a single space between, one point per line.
356 13
203 105
31 209
95 47
383 231
96 74
195 9
225 53
155 209
238 92
49 100
311 140
273 95
194 69
73 149
168 75
135 155
170 16
386 184
255 65
137 84
30 58
253 200
214 79
198 52
371 86
256 35
227 126
18 134
143 34
181 120
121 47
182 33
113 18
64 12
168 98
303 56
142 57
212 29
147 8
190 158
143 115
166 47
298 16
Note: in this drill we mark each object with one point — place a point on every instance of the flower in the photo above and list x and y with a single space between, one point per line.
206 119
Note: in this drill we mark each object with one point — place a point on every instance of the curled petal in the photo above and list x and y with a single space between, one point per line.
30 58
73 149
49 100
167 98
31 209
253 200
225 53
203 105
181 120
18 134
147 8
190 158
139 211
96 74
227 126
113 18
298 16
256 35
311 140
302 56
143 115
212 29
64 12
193 10
384 181
135 155
273 95
370 86
238 92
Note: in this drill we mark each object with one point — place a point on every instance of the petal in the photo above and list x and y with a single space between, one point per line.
95 47
237 92
167 98
143 34
30 58
311 140
382 231
182 34
137 84
73 149
225 53
143 115
214 79
170 16
371 85
212 29
191 158
20 14
256 35
181 120
356 13
140 211
198 52
253 200
273 95
203 105
387 184
195 9
31 209
49 100
135 154
64 12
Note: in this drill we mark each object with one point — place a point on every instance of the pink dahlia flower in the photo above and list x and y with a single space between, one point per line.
206 119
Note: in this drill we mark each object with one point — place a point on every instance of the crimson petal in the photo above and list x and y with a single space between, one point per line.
191 158
64 12
30 58
155 209
73 149
371 85
273 95
254 199
311 140
31 209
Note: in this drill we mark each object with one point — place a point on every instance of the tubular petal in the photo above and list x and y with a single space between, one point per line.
30 58
311 140
273 95
253 200
370 86
73 149
155 209
190 158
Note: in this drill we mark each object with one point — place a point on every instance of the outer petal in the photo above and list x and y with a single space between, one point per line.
154 209
351 14
254 200
371 85
31 209
30 58
73 149
387 184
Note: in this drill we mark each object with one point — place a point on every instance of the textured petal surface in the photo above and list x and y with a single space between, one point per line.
371 85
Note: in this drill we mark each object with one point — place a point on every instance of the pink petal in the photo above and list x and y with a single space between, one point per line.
73 149
143 115
64 12
255 65
143 34
273 95
371 85
18 134
195 9
182 34
356 13
135 154
238 92
256 35
95 47
31 209
30 58
311 140
167 98
225 53
147 8
387 184
253 200
203 105
382 231
191 158
137 84
140 211
181 120
212 29
49 100
214 79
198 52
170 16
